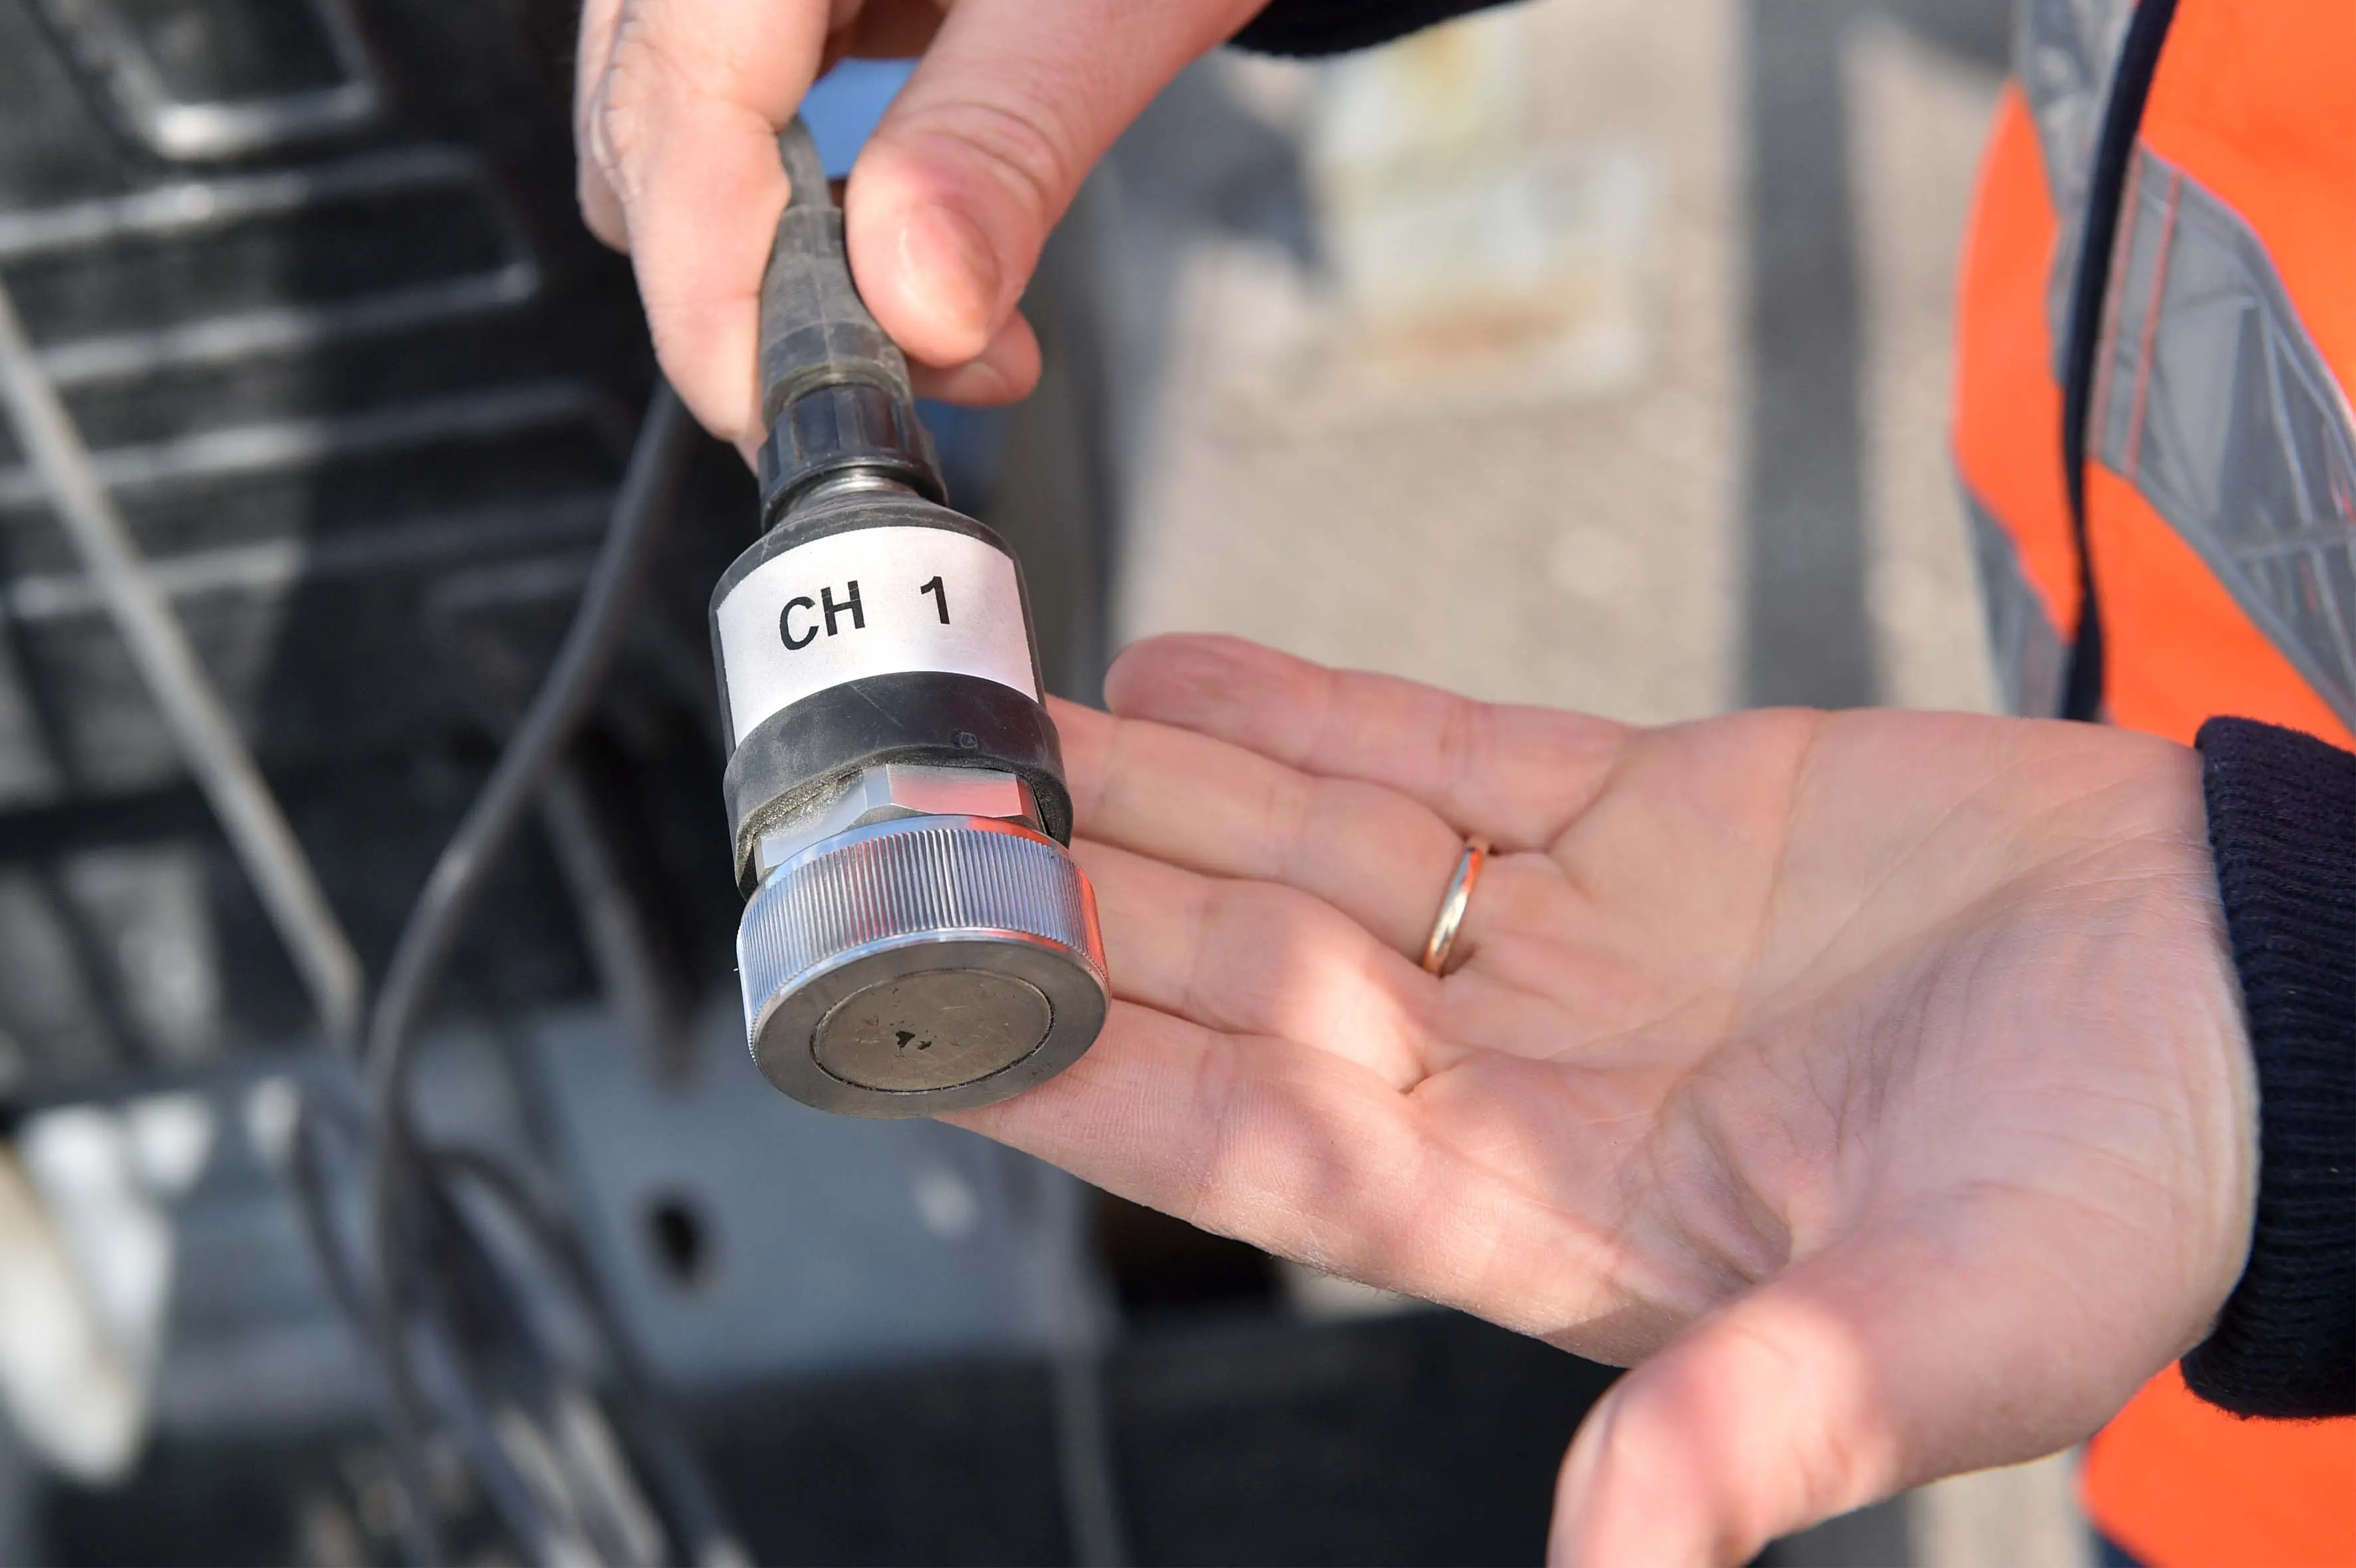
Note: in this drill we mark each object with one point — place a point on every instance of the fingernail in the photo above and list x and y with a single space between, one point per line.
950 270
979 381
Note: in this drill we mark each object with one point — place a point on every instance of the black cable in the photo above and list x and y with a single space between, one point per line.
374 1322
400 1177
314 1205
462 1259
599 625
2083 676
258 832
464 1311
414 1217
691 1509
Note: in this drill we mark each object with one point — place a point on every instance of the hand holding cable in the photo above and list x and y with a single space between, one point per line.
679 101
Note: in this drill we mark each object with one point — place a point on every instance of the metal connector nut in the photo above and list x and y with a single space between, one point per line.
900 789
921 964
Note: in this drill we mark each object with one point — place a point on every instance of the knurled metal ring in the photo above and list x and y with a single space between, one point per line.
1459 898
921 964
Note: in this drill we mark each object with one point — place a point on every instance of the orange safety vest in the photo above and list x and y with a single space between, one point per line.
2219 509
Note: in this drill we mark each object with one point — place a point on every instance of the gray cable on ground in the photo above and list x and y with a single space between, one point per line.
199 721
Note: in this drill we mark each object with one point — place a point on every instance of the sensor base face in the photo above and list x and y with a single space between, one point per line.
932 1029
921 964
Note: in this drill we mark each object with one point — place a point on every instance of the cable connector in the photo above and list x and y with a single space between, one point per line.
835 393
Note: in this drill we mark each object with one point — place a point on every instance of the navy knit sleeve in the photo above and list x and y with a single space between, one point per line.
2282 824
1331 26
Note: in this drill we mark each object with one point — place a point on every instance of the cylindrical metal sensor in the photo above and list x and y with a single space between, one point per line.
922 963
915 937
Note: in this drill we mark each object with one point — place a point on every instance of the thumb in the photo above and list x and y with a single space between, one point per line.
986 147
1873 1367
678 107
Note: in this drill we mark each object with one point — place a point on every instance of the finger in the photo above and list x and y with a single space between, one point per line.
886 30
1543 958
680 122
601 208
1300 1153
1256 957
1218 809
985 147
1005 372
1253 958
1919 1351
1516 775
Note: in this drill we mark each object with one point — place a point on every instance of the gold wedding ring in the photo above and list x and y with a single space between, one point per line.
1451 919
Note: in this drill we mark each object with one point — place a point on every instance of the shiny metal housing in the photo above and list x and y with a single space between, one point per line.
900 789
921 964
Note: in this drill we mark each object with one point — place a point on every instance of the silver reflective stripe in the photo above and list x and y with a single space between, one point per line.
2064 53
2022 640
2212 400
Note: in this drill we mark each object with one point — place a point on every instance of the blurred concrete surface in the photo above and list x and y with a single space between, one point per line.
1767 303
1710 469
1573 546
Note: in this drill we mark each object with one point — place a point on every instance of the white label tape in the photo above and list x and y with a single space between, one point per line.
873 601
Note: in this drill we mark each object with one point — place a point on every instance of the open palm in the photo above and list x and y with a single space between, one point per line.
1879 1076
